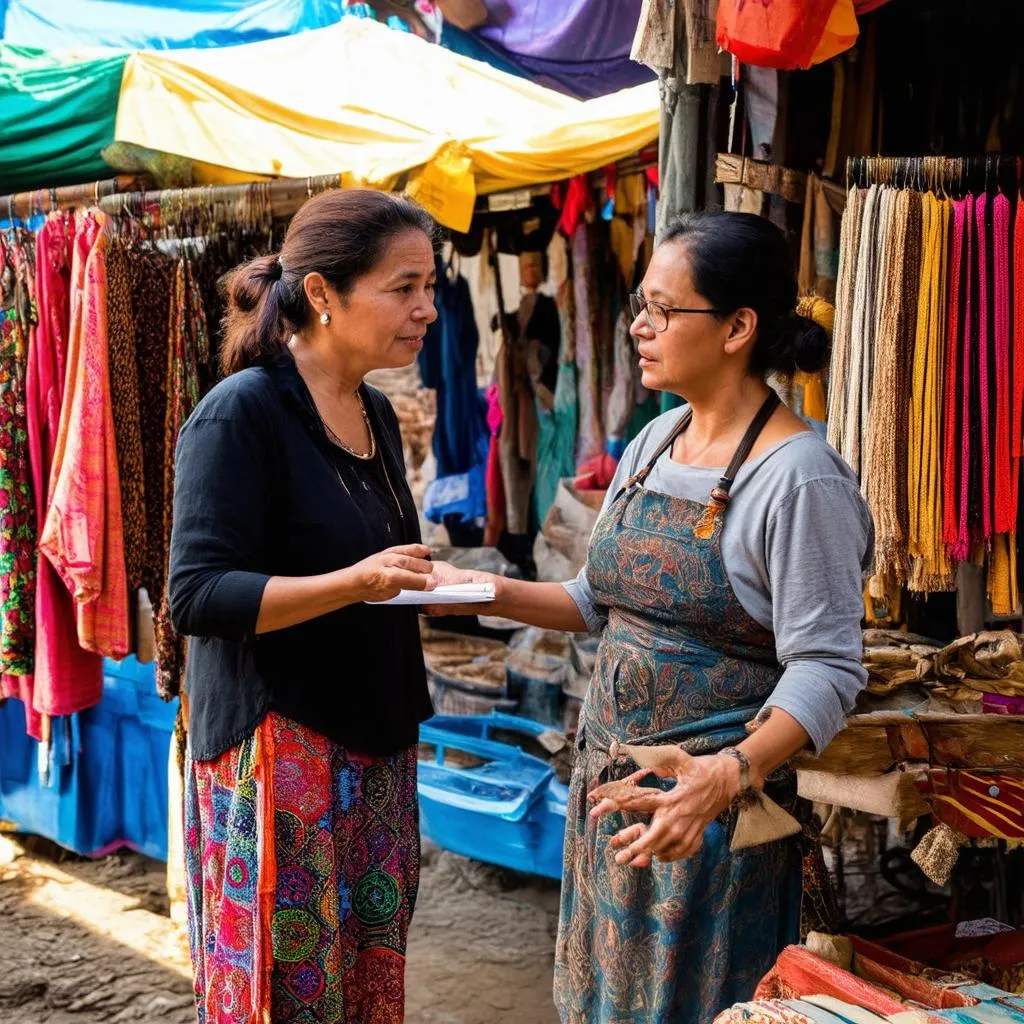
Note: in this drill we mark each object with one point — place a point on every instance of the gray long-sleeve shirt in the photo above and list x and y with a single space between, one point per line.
796 542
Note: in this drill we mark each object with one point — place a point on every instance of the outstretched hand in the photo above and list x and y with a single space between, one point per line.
446 575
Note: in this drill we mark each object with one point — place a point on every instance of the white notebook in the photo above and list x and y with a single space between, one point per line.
457 593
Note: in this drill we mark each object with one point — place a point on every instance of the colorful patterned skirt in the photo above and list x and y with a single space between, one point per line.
303 865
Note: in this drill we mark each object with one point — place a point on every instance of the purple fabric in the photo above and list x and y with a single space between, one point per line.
580 47
572 30
582 79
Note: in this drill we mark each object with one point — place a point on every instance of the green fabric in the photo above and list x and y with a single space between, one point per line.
556 440
57 112
670 401
643 414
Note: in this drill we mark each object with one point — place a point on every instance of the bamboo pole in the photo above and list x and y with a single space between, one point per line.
284 195
45 200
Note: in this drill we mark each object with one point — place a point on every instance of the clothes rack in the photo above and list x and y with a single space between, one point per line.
21 205
130 195
950 175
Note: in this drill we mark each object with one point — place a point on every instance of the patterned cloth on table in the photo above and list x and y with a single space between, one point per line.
188 351
67 677
17 508
83 536
678 942
302 863
124 393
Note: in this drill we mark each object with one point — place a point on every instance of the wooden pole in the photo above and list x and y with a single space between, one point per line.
44 200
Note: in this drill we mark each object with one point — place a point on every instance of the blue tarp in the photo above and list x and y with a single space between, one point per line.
158 24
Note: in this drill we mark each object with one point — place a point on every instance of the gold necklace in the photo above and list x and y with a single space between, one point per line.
365 457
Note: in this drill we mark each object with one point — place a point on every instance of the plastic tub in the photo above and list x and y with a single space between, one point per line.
490 800
113 792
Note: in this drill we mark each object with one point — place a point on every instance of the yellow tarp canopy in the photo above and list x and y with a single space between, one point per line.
368 103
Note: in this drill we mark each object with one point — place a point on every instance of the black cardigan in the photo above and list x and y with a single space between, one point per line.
261 491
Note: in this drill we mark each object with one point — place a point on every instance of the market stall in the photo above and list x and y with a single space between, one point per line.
111 308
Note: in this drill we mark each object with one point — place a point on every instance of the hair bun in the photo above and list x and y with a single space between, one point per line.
796 343
808 341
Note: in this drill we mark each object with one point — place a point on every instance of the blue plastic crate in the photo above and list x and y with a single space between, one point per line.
114 790
509 810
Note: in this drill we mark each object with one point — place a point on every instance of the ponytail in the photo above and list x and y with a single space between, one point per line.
254 327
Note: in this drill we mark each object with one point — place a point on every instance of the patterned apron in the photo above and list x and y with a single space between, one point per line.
679 661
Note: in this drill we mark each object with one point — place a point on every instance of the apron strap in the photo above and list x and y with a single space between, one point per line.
641 476
718 502
720 493
757 424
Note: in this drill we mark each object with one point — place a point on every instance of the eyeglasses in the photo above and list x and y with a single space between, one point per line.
657 314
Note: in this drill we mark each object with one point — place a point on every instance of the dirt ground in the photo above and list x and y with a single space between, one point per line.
91 941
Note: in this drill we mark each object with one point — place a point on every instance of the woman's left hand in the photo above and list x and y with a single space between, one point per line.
705 786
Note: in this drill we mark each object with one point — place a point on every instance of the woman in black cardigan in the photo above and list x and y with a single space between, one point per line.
291 511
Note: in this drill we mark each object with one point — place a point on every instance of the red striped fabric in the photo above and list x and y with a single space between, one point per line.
978 805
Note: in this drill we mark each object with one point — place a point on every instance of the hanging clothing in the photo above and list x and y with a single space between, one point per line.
448 365
819 244
628 227
680 137
68 678
635 943
1017 358
519 428
590 443
493 481
986 369
859 340
303 865
621 401
152 279
124 393
188 352
959 387
1001 587
841 373
17 505
1002 519
884 475
556 435
930 567
83 536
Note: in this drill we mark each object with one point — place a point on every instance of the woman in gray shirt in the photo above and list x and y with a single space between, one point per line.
725 578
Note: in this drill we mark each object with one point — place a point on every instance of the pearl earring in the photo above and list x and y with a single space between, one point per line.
325 318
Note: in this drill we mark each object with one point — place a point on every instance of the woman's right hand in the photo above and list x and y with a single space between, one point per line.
446 575
380 577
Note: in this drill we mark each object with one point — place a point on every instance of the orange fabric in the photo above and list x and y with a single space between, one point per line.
840 33
82 535
266 881
798 972
785 34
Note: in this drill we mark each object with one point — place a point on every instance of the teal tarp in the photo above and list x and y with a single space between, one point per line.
57 112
